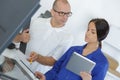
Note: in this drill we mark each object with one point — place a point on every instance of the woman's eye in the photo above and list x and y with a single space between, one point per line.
93 32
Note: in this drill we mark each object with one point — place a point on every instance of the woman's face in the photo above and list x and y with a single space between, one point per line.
91 34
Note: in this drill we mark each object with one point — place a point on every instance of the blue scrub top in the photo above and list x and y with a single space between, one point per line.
59 71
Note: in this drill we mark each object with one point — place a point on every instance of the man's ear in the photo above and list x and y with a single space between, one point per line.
52 12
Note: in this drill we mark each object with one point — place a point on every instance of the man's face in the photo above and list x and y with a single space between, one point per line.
61 13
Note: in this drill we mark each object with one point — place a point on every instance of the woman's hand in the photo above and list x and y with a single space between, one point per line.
85 76
40 76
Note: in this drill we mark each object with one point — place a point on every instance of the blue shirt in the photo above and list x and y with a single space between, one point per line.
59 71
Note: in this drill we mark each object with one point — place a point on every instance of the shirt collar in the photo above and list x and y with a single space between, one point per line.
57 29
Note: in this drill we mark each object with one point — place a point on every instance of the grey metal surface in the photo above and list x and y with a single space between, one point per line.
14 14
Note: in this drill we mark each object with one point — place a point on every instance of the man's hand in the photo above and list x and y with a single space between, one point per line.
25 36
22 37
33 57
45 60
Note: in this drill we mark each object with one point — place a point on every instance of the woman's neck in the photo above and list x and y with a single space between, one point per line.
90 47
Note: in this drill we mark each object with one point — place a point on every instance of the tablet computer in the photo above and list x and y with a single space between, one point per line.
78 63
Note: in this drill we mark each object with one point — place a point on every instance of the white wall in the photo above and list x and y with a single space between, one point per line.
83 11
111 11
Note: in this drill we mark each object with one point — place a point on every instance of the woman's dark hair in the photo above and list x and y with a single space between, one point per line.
102 28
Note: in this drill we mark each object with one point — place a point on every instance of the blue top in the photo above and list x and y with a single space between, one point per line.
59 72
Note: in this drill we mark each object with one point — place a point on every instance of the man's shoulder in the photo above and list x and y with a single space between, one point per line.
43 19
40 20
67 33
67 37
38 24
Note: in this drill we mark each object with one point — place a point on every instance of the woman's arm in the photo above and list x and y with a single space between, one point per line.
50 75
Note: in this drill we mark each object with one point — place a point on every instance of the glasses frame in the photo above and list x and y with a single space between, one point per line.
61 13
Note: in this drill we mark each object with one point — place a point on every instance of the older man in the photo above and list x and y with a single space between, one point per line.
48 37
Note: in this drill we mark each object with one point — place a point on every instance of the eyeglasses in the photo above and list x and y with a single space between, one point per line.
68 14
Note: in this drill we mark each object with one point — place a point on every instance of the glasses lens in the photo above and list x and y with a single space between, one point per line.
65 14
68 14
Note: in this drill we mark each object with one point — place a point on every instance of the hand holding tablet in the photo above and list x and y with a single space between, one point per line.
78 63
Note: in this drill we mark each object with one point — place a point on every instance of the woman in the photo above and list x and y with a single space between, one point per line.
97 31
